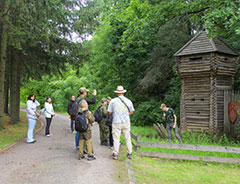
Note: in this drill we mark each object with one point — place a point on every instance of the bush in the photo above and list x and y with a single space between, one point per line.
147 113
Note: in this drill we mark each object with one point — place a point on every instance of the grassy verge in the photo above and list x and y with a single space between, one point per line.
14 133
149 170
148 134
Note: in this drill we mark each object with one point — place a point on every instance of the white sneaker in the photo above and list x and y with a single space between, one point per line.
48 135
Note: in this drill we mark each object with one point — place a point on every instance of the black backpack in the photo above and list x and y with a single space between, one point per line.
97 114
109 119
74 109
81 124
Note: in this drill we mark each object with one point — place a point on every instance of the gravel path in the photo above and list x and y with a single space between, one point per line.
54 160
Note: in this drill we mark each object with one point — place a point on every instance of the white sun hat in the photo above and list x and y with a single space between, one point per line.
120 89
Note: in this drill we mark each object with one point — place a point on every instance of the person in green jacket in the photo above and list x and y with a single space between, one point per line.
103 128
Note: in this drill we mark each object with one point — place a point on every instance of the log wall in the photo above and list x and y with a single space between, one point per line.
205 77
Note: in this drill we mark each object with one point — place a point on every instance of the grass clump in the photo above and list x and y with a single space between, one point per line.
13 133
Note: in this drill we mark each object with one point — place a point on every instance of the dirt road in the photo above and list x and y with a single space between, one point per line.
53 160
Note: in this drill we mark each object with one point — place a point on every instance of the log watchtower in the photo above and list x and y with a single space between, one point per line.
206 67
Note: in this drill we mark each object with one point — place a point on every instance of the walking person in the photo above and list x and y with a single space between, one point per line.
83 91
121 108
103 128
32 105
171 122
49 113
71 116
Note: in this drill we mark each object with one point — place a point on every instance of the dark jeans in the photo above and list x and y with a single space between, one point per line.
48 123
77 137
72 123
169 132
110 136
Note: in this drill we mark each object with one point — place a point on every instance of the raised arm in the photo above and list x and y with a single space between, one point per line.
92 101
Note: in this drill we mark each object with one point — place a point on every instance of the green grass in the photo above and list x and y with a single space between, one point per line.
149 170
157 171
148 134
13 133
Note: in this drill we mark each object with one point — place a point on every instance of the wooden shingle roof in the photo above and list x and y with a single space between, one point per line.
201 44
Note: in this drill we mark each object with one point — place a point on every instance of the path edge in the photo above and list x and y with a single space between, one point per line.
17 142
131 176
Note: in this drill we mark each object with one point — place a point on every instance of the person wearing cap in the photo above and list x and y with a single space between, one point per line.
82 97
86 137
121 108
171 122
103 128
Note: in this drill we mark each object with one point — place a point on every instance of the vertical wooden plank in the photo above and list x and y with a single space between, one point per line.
226 121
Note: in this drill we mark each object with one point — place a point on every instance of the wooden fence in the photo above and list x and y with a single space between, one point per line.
230 128
186 147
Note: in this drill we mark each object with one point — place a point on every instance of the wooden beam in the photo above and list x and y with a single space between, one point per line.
189 157
190 147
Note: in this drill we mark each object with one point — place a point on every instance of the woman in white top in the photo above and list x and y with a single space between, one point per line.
31 116
49 113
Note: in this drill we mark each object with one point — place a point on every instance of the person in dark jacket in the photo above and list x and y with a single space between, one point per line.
81 98
71 116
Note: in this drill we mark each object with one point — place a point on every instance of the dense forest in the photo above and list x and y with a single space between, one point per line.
53 47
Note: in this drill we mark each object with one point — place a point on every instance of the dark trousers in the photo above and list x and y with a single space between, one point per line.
72 122
110 136
169 132
48 123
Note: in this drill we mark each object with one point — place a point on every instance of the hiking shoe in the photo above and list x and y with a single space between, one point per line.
90 158
81 157
129 156
114 157
32 142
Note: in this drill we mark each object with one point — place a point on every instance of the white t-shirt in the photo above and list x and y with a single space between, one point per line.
119 110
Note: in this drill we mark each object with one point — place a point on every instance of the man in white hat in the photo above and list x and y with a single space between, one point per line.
121 108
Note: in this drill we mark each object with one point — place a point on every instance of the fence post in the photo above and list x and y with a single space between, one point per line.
137 146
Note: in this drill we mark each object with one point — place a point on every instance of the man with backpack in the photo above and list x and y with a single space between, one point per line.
83 124
80 99
171 122
103 128
71 113
121 108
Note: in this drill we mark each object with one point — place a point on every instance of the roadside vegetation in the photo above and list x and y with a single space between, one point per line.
14 132
158 171
148 134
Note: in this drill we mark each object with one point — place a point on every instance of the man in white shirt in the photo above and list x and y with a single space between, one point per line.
121 108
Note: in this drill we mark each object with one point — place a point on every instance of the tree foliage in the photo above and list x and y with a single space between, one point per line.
133 45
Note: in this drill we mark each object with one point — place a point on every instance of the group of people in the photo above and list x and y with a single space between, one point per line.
32 116
115 119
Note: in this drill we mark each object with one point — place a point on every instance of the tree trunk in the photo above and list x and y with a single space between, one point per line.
3 49
6 88
15 86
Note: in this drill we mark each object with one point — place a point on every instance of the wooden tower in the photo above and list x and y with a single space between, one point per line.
206 67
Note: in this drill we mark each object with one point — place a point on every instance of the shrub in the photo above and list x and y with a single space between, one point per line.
147 113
